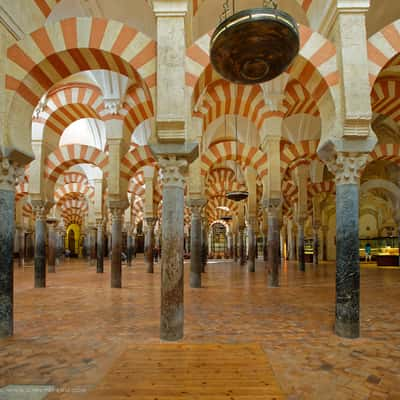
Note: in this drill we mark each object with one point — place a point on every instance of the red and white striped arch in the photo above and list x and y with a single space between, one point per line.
385 152
293 154
71 188
57 51
75 177
224 98
67 156
298 100
220 181
220 201
136 159
316 68
138 107
383 46
385 98
67 105
230 150
322 187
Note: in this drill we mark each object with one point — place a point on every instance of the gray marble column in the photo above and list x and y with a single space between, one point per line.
52 247
172 307
109 244
21 245
300 245
316 244
195 243
7 230
100 246
116 239
242 250
292 242
274 260
149 244
252 244
40 213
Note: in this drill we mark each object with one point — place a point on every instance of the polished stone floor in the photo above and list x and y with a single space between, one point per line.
69 334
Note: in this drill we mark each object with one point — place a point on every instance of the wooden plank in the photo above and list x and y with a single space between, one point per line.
191 372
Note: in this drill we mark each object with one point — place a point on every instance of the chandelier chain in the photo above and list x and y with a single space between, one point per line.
226 11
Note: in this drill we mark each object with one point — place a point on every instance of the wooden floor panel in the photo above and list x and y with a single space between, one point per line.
192 372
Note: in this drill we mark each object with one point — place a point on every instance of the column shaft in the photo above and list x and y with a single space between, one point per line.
315 246
273 248
129 246
251 262
116 233
149 245
7 210
40 251
301 255
347 261
52 249
172 307
242 253
195 253
100 249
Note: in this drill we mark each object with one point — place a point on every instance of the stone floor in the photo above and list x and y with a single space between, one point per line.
69 334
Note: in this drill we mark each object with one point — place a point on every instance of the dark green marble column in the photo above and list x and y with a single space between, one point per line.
7 231
40 213
195 243
347 261
274 260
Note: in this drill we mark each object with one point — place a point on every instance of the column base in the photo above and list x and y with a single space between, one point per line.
251 266
348 330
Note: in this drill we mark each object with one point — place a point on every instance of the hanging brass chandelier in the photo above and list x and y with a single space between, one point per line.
254 45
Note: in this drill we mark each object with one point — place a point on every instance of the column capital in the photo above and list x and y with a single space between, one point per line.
196 206
272 205
9 173
172 172
40 208
150 221
347 167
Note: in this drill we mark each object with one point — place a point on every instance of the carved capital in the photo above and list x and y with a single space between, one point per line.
112 106
347 167
9 173
272 205
172 172
116 213
150 222
196 206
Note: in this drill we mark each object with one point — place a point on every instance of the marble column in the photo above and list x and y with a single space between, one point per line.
129 247
195 243
149 244
21 245
316 244
291 240
235 247
230 245
252 244
204 244
8 174
347 168
300 245
52 247
116 246
325 230
109 244
242 252
100 246
40 213
274 261
172 307
265 246
93 253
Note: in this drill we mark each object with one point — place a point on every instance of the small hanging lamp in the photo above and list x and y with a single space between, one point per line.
254 45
